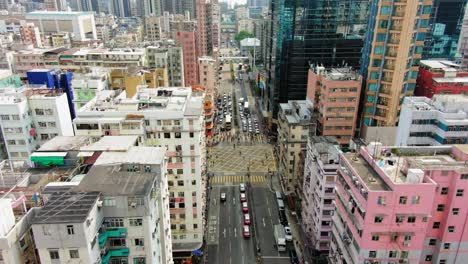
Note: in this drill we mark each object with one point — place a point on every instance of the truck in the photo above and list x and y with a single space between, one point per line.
280 238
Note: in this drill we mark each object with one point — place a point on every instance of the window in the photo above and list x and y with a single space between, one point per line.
135 201
375 238
446 245
39 111
372 254
167 135
138 242
42 124
195 226
411 219
192 147
54 254
194 182
5 117
191 134
408 237
15 117
139 260
432 242
70 230
436 225
428 258
378 219
464 176
444 191
114 222
451 229
460 192
109 201
440 207
442 261
136 222
117 242
392 254
74 254
455 211
415 199
399 219
178 135
180 183
403 199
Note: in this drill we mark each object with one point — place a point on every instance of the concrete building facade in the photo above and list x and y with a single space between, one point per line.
81 24
400 204
335 94
432 122
318 205
166 117
294 128
187 40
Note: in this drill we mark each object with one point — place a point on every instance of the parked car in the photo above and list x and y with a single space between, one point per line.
282 217
287 231
245 207
223 197
246 219
246 231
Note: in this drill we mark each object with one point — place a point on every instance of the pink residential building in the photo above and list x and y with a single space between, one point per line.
335 94
208 26
187 40
318 204
401 205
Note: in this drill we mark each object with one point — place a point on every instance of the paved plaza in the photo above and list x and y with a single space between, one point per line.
230 160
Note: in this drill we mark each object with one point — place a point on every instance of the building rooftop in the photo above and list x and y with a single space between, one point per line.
167 100
56 14
66 207
134 155
115 180
112 143
296 111
439 64
250 42
445 103
338 73
66 143
379 166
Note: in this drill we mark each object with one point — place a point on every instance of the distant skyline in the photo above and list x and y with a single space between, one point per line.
233 2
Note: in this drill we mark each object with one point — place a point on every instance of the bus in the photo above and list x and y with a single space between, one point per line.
228 123
246 107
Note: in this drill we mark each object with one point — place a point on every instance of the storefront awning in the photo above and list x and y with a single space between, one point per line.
49 158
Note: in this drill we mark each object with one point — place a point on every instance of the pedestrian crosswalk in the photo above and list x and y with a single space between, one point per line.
238 179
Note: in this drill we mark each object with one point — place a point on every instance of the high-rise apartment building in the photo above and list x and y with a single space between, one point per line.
335 94
120 8
301 33
30 117
179 7
151 8
294 128
401 205
119 212
188 41
55 5
446 23
167 117
168 55
208 27
463 41
321 164
30 35
431 122
394 46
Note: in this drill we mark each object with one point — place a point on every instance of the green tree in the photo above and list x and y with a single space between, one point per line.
242 35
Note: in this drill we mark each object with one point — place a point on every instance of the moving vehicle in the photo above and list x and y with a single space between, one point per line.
278 196
280 238
228 123
242 187
246 107
280 204
246 231
246 219
223 197
245 207
243 197
241 100
287 231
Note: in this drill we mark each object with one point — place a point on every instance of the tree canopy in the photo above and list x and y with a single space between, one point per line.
242 35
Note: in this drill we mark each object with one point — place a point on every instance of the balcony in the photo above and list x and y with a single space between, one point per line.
121 252
111 233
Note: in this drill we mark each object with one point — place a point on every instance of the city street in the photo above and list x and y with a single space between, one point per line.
241 158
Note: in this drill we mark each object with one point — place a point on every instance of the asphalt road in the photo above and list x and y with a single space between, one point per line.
228 244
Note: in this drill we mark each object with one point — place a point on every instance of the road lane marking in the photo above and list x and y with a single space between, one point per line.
263 219
224 232
269 211
235 232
